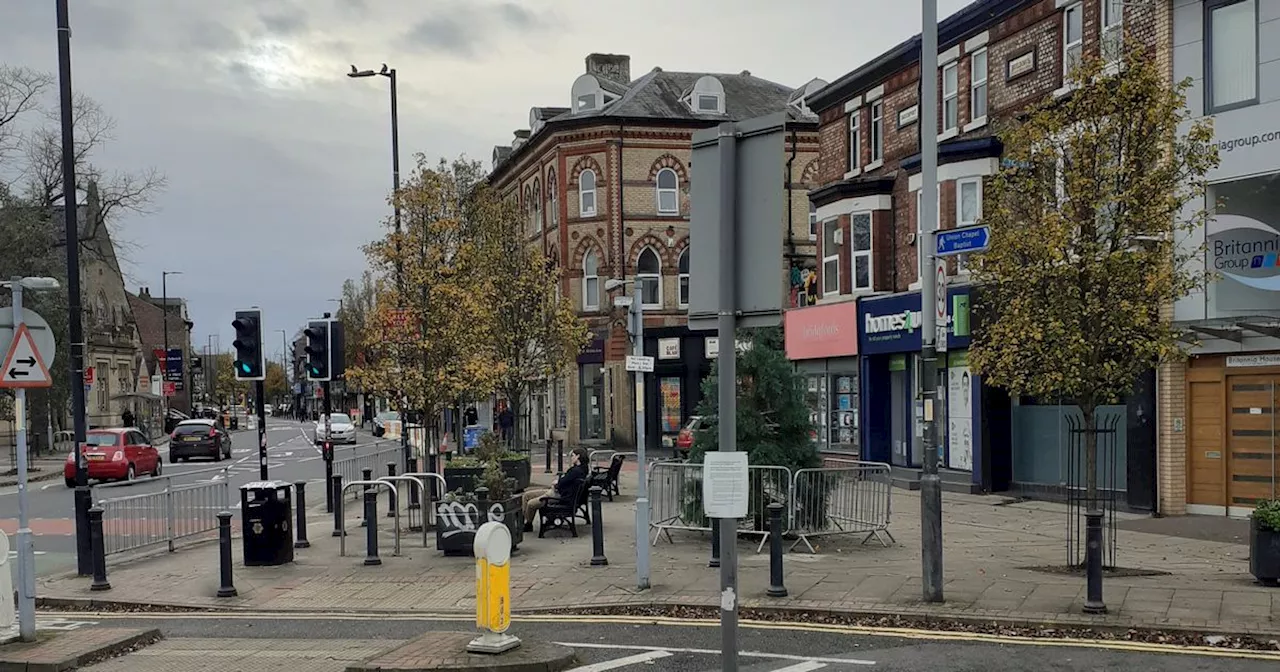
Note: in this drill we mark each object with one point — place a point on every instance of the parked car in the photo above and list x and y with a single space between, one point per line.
684 440
341 429
116 454
199 438
173 418
380 420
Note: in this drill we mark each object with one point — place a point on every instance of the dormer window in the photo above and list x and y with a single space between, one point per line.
586 101
589 96
707 96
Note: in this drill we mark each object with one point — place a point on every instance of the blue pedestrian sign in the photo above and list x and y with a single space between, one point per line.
961 241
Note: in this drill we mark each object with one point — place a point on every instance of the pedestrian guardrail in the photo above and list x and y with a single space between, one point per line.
852 498
352 467
168 516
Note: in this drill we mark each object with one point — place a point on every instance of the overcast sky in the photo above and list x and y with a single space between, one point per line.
278 165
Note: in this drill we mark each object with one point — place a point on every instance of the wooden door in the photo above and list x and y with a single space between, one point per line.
1206 454
1251 438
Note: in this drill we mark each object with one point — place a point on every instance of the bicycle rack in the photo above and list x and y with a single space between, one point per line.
407 478
429 501
342 540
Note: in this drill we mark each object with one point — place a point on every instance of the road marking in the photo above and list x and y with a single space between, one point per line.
63 624
647 657
14 554
715 652
900 633
802 667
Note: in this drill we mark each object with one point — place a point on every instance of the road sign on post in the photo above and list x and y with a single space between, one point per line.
639 363
963 241
23 367
940 307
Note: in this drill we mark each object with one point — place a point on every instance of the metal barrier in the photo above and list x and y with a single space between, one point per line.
429 499
342 539
137 521
421 488
602 458
675 495
352 467
852 499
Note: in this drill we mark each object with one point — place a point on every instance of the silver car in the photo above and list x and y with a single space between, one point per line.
341 429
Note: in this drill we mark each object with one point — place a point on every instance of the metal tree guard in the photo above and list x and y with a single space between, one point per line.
1107 432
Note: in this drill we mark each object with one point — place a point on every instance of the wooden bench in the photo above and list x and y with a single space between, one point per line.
607 478
558 513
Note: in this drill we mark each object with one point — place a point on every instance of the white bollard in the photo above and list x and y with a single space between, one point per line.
8 620
492 547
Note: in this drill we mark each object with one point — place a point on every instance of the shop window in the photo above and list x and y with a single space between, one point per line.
843 431
591 402
669 400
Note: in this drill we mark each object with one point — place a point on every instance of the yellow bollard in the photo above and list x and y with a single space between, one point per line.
492 548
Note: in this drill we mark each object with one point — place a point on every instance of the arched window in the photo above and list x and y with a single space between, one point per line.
590 282
668 192
553 204
649 275
587 193
535 223
683 269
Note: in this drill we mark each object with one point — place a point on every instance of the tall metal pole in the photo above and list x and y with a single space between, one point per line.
84 557
26 556
642 491
164 370
930 483
259 391
728 389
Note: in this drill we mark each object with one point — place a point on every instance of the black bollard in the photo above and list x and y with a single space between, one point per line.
97 547
414 503
392 504
548 469
560 457
1093 603
597 530
226 588
715 543
300 501
776 589
366 475
482 503
335 488
371 530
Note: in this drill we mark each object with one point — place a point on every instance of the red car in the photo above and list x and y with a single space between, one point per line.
114 454
684 440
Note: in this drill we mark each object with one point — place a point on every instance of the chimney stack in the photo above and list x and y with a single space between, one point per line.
613 67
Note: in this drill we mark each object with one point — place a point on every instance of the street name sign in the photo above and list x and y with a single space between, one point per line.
963 241
23 367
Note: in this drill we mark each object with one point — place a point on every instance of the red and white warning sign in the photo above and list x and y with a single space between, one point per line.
23 365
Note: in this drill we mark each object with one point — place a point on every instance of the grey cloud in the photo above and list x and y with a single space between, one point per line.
214 36
460 29
285 23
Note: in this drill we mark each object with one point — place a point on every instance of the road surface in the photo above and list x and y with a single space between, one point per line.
324 642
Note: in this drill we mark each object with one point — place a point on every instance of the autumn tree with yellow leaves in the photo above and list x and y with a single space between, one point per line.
1089 217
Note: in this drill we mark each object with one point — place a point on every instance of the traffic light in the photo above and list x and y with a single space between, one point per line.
250 361
317 350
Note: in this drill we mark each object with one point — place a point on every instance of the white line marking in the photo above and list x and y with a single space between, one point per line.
808 666
646 657
14 554
716 652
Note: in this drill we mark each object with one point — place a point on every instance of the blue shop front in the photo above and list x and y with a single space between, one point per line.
889 341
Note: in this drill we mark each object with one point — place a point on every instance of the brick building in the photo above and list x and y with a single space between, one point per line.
995 58
604 185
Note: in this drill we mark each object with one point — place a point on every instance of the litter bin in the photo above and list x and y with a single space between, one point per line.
266 509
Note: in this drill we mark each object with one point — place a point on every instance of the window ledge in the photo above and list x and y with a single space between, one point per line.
1063 90
836 298
947 135
853 173
975 124
653 306
668 214
1110 69
873 165
914 287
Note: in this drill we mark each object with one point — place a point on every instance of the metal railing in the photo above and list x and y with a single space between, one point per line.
431 493
411 514
174 513
602 458
351 467
342 538
852 498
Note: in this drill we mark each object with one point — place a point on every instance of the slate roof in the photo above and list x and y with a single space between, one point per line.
659 93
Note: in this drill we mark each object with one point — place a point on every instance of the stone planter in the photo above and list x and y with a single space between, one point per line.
461 478
1264 554
519 470
457 522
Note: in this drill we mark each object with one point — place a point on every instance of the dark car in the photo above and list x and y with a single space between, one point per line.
199 438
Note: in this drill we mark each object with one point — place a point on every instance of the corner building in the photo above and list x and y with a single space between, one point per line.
996 57
604 187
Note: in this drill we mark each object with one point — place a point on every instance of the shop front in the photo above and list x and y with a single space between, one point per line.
590 398
682 359
822 342
889 342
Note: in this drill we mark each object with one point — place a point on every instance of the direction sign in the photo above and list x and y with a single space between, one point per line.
23 366
640 364
963 241
46 345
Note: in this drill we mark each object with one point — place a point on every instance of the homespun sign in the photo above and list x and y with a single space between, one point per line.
892 323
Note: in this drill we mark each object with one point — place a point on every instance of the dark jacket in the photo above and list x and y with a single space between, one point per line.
506 419
568 483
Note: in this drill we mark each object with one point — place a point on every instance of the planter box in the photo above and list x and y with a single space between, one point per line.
1264 554
519 470
461 478
457 522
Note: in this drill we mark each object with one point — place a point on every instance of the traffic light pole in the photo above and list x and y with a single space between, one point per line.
258 392
327 451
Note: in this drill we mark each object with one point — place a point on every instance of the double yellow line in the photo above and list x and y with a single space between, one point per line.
868 631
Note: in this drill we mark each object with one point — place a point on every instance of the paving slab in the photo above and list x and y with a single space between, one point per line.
245 655
69 650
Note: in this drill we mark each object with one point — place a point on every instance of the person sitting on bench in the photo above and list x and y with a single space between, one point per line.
565 487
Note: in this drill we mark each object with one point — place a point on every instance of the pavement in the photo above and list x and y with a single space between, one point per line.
993 547
242 642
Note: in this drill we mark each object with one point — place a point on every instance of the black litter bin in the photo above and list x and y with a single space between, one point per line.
266 512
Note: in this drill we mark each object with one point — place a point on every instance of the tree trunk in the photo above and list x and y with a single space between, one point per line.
1089 413
513 398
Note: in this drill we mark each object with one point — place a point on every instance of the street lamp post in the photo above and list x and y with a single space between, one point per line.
636 332
75 325
390 73
284 359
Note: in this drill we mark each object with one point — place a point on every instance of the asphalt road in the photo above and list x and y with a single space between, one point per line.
694 647
292 456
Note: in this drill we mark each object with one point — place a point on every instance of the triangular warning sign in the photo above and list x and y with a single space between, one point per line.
23 365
